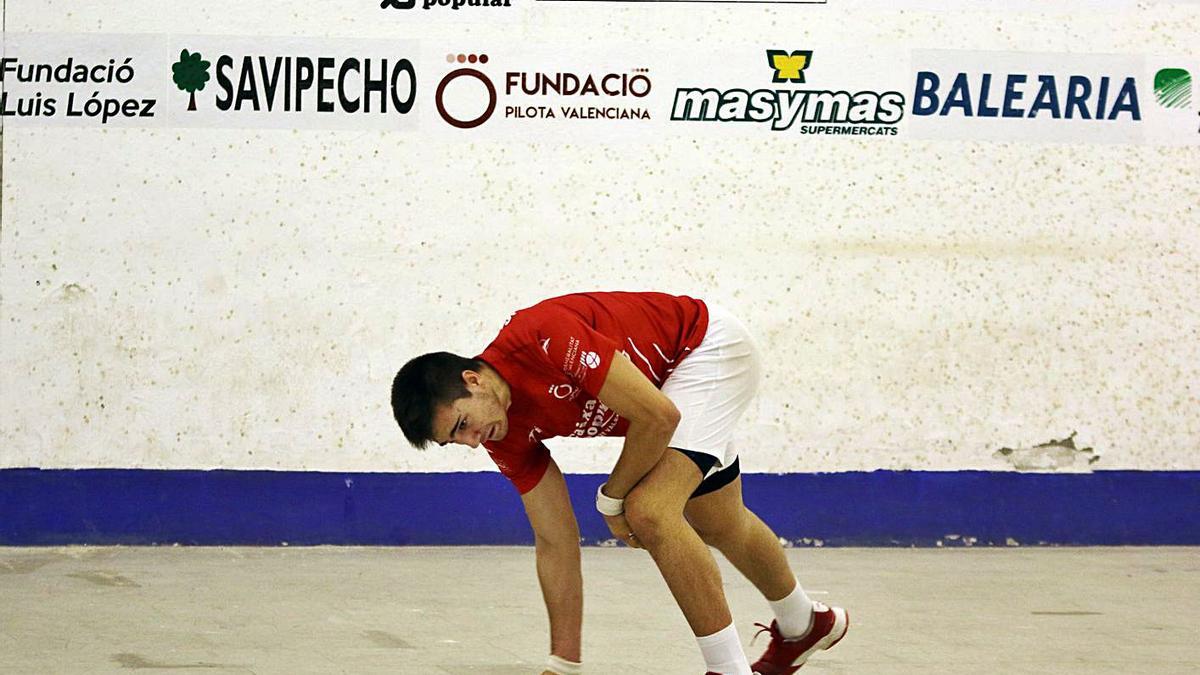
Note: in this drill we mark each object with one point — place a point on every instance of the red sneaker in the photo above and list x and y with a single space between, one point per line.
784 657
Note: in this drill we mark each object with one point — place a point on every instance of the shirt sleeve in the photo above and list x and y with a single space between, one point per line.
523 466
579 351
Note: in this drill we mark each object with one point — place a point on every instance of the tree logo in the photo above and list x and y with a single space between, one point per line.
190 74
1173 88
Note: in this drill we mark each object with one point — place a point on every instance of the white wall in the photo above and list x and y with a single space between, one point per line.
196 298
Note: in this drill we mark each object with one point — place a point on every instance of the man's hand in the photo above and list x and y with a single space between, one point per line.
621 530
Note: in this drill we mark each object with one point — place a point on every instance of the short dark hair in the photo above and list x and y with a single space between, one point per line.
422 385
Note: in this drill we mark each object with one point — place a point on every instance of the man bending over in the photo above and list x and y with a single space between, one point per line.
671 375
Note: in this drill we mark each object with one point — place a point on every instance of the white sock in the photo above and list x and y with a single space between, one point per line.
793 613
723 652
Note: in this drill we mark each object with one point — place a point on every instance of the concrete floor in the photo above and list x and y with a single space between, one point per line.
478 610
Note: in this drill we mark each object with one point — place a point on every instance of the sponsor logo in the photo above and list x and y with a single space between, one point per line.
1173 88
789 67
294 84
811 111
1021 95
190 74
595 419
49 91
538 95
564 391
443 4
568 364
590 359
440 95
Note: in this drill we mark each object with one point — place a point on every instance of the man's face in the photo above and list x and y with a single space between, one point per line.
471 420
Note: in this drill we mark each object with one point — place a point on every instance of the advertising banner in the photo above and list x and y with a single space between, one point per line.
799 90
1071 98
463 90
422 12
208 81
544 93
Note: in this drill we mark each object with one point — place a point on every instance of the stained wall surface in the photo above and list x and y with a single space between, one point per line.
234 296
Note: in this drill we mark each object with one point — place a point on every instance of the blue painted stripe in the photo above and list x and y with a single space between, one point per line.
879 508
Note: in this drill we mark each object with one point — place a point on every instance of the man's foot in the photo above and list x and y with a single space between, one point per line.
784 657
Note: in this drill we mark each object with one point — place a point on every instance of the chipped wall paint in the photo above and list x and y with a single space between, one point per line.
204 298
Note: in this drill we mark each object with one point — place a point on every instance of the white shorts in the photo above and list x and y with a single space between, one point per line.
712 386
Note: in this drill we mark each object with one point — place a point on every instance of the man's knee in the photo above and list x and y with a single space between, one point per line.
651 517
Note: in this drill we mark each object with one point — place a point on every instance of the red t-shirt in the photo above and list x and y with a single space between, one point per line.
556 354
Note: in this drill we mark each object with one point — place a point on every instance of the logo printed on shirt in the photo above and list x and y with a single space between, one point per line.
568 365
590 359
563 391
595 419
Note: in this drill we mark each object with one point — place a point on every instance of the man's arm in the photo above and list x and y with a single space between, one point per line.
556 534
652 421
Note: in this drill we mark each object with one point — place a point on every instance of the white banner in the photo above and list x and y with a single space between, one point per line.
471 90
1072 98
544 93
208 81
422 12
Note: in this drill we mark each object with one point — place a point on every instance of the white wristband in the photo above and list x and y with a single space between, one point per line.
607 505
561 666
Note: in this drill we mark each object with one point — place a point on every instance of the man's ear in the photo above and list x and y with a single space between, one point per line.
471 377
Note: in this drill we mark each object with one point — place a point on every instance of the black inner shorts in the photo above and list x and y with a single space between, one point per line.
716 481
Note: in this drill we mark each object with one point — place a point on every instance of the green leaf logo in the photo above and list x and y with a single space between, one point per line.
1173 88
190 74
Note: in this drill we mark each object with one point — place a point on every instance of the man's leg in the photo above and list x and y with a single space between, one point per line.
801 627
724 522
654 509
